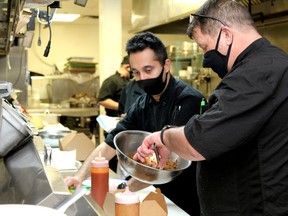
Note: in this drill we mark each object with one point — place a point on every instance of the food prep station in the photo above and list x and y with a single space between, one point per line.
31 177
28 177
28 173
43 184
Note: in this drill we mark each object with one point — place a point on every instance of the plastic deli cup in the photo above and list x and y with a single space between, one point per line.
127 203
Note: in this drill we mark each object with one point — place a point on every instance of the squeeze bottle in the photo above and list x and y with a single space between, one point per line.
99 179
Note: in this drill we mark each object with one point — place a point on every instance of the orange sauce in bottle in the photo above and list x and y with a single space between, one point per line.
99 179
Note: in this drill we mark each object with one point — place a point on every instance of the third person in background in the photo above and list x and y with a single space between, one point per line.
112 87
128 96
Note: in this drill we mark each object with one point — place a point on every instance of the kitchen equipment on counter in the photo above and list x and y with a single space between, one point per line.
14 130
82 100
41 120
127 142
28 181
25 178
53 136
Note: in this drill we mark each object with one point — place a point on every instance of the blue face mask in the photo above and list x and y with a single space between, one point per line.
216 61
153 86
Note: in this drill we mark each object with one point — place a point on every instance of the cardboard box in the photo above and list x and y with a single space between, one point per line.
79 141
153 204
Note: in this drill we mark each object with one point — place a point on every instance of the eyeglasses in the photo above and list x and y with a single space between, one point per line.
204 16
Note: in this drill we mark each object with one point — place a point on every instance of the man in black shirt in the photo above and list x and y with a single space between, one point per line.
166 101
112 87
128 96
241 141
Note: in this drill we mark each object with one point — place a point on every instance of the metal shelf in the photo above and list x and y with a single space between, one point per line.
9 17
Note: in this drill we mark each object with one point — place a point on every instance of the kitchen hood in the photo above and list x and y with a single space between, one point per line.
264 12
37 3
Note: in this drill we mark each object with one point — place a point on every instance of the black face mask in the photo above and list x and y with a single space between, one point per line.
216 61
153 86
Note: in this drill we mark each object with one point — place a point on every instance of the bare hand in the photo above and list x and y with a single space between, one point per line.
146 149
73 181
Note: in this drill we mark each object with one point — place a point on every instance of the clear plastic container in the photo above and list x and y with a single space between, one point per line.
127 203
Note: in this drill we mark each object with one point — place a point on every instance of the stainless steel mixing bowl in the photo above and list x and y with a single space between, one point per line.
127 142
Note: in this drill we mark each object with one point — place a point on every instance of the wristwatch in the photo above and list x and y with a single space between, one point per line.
166 127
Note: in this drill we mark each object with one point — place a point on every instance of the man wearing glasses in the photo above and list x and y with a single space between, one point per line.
241 141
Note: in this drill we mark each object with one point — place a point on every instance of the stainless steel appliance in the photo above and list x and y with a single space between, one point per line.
26 178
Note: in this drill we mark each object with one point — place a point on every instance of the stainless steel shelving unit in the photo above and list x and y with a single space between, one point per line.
9 17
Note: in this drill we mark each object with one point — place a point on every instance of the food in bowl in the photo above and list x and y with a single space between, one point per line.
127 142
152 162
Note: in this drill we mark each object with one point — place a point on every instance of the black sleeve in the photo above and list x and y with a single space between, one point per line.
122 102
107 90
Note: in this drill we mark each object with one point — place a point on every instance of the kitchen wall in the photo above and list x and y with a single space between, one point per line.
277 34
74 40
68 40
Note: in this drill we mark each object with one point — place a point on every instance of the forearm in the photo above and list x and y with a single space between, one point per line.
175 140
106 151
109 104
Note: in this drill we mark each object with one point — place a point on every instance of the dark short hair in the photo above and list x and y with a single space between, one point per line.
145 40
125 60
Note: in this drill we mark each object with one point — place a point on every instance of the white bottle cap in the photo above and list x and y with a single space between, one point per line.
126 197
100 161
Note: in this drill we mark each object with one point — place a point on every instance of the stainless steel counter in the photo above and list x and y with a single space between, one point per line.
27 178
84 206
74 112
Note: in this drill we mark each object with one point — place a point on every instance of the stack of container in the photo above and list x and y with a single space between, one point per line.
80 65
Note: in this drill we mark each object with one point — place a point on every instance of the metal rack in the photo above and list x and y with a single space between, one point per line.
9 18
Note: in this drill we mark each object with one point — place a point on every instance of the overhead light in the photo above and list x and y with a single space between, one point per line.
65 17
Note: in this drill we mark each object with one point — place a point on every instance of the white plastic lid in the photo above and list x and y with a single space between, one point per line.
126 197
100 161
